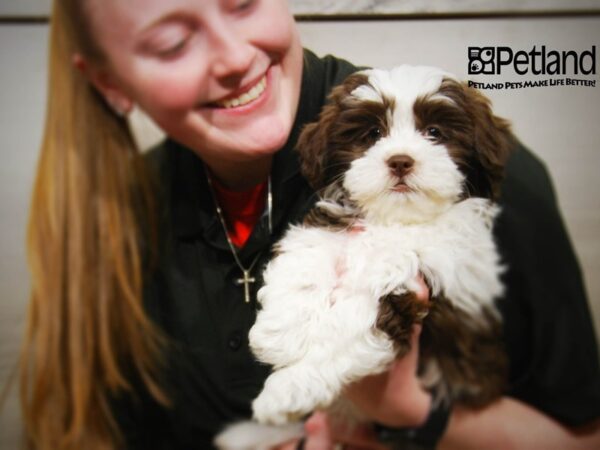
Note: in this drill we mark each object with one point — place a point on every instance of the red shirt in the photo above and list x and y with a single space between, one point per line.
241 210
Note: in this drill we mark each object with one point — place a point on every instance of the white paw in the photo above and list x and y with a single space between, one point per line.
269 409
286 398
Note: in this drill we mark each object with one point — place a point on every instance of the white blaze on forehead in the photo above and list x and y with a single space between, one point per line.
404 84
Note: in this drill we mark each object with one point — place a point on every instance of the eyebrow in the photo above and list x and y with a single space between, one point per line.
175 16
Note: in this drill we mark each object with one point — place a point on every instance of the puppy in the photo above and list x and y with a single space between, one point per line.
407 164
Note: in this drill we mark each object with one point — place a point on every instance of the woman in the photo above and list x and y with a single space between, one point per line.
143 293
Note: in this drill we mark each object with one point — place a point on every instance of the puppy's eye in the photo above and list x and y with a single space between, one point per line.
374 133
433 133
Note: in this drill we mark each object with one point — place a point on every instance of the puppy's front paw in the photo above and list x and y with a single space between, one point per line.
270 408
287 396
265 410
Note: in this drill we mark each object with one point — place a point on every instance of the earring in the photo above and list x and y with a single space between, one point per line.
117 109
120 107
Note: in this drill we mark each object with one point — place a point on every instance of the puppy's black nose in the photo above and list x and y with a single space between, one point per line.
400 165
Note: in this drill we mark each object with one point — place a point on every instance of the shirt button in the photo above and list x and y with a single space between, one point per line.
234 342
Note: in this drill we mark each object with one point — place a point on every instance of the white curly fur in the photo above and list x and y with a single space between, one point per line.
321 298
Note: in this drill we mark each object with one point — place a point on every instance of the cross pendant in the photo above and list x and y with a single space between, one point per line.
246 280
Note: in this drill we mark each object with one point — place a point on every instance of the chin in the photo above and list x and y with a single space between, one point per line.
408 165
272 136
264 135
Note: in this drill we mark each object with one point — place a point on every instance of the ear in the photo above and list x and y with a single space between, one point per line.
105 84
313 147
314 143
493 142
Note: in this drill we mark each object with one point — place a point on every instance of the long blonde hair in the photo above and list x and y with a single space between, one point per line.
91 213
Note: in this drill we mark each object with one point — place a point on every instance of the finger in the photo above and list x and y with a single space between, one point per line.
414 338
296 444
422 291
316 422
322 433
318 432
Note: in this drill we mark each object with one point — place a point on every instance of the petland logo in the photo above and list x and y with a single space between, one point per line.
537 61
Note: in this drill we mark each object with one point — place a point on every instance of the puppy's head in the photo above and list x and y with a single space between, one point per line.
406 144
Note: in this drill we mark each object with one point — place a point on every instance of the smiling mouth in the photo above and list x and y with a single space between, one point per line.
247 97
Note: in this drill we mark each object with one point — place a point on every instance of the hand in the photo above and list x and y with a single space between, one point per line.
323 434
394 398
289 445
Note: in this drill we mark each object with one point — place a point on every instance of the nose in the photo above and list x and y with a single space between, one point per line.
233 55
400 165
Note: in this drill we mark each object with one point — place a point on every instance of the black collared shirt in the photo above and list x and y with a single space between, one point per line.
211 375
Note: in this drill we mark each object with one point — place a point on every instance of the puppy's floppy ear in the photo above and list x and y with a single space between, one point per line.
312 146
491 141
315 142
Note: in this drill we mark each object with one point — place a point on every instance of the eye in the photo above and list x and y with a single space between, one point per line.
433 133
241 5
168 40
172 50
374 134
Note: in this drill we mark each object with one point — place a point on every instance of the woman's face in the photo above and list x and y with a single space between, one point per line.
219 76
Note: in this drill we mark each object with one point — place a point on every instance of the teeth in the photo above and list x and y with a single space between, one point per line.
246 97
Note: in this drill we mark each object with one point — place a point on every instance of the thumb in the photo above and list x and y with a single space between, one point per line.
318 432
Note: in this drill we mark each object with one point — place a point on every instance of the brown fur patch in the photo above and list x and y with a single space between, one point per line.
396 316
477 140
468 350
345 130
342 218
322 218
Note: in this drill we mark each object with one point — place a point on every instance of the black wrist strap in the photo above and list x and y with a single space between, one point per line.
425 436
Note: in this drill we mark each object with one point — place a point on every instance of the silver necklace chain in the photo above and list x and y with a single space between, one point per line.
247 277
